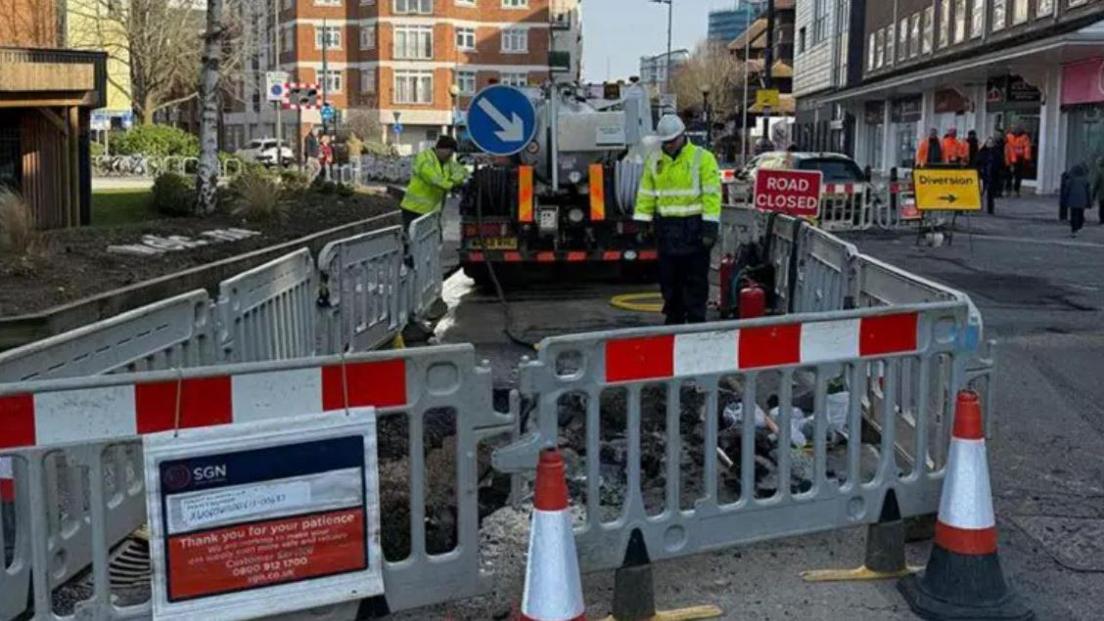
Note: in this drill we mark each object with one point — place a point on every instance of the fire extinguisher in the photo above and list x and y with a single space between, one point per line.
753 301
728 265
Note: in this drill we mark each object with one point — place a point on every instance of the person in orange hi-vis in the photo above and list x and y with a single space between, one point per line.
1017 154
930 150
955 151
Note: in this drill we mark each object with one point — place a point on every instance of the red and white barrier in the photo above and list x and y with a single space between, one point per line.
91 414
553 588
673 355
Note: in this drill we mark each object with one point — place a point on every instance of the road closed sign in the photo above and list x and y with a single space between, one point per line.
255 519
947 190
792 192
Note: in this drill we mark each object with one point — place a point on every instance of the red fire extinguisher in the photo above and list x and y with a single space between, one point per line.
753 301
728 264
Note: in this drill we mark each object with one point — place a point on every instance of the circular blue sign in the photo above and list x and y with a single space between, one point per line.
501 120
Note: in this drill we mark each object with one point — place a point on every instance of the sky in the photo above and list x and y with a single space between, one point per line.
616 33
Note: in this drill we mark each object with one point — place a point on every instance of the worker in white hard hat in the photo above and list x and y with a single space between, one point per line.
680 193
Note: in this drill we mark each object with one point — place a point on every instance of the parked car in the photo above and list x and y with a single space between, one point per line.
836 167
263 151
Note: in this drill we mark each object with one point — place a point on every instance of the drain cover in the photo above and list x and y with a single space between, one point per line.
1076 543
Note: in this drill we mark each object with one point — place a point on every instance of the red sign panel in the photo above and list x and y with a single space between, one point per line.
791 192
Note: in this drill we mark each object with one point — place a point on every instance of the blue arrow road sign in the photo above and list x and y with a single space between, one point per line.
398 128
327 112
501 120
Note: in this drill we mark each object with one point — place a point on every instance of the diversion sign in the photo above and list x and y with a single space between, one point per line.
947 190
266 517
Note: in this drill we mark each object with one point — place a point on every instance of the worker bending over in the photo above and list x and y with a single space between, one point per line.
680 193
435 173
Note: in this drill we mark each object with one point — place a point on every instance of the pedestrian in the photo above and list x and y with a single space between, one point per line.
435 173
1017 150
326 157
990 162
930 151
972 148
954 150
1076 196
312 149
1098 187
680 193
1003 177
356 148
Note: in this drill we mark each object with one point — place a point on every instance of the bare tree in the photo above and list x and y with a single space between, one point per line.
208 170
711 66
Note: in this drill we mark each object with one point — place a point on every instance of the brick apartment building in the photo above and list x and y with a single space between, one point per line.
398 60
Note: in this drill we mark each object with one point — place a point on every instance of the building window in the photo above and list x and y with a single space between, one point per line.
1045 8
367 81
465 81
871 53
944 23
515 4
367 2
977 18
413 42
515 40
890 43
465 38
413 7
929 29
287 4
332 80
1074 3
801 41
914 39
289 39
514 79
903 40
413 87
820 21
1000 14
327 37
960 21
879 49
1019 11
327 2
367 37
465 2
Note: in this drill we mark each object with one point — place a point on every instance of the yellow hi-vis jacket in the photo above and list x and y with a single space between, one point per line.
430 181
688 186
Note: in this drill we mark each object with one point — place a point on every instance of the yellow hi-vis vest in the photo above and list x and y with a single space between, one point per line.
683 187
430 181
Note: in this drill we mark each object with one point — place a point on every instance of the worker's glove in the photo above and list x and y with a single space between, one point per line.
710 230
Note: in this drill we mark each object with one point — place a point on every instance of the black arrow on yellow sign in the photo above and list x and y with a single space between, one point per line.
950 199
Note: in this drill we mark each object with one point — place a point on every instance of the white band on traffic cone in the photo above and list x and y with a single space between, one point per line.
553 589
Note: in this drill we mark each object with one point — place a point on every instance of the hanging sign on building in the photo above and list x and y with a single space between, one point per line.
259 518
947 190
1083 82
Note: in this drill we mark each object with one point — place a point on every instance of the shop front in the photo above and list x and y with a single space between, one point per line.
1083 107
1013 103
904 120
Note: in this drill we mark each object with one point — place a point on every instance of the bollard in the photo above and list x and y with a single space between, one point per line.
893 195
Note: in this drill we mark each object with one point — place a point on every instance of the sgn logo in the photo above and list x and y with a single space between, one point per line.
209 474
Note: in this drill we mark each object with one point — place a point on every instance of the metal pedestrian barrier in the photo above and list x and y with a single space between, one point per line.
362 290
846 207
434 406
425 253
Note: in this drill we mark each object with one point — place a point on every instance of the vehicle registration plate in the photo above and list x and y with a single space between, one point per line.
495 243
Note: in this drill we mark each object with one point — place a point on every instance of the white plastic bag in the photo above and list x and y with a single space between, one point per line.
838 404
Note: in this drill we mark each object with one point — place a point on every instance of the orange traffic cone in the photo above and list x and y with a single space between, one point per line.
963 579
553 589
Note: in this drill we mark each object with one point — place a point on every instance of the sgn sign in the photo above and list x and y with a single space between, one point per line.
792 192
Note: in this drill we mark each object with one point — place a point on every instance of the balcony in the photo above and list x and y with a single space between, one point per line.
26 73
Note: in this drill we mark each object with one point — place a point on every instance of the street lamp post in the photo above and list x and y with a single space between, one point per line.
670 20
705 116
454 94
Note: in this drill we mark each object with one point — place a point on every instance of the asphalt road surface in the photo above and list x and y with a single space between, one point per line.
1041 294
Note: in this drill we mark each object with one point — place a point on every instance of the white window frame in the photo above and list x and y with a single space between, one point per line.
890 45
515 4
419 84
515 40
903 39
999 23
1045 8
871 52
368 81
327 2
915 29
369 33
977 18
513 78
1021 11
287 42
467 82
468 3
879 48
367 2
944 23
929 30
334 80
959 21
334 36
412 7
421 34
1076 3
462 38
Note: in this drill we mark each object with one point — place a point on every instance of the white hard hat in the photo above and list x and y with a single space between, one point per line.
670 127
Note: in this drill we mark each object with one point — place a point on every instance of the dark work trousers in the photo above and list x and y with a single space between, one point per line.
1077 220
1019 171
684 281
991 190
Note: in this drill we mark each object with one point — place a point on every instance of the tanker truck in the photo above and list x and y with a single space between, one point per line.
566 200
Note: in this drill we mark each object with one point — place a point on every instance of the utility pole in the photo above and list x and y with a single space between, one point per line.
768 62
325 72
747 130
670 21
276 67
